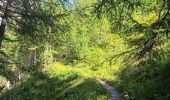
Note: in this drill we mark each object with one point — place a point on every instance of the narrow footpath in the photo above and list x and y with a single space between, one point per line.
110 89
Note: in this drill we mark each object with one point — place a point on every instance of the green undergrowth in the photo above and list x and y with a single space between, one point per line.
60 82
106 73
144 82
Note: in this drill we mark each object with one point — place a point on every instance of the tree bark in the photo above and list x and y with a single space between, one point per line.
2 28
4 21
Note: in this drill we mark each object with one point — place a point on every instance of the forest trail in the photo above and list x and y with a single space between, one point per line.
110 89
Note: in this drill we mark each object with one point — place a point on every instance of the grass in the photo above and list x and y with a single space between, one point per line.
106 73
88 89
59 82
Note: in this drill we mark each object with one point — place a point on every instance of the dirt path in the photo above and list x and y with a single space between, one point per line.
110 89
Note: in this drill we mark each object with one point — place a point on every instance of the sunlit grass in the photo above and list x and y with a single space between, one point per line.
86 72
61 82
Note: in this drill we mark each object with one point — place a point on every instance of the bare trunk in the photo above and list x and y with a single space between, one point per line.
8 84
4 21
31 58
2 30
142 9
28 59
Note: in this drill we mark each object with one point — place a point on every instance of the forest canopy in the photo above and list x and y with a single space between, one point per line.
74 42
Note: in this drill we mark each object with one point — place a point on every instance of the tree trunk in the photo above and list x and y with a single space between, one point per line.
2 31
31 58
4 21
18 70
2 28
8 84
28 59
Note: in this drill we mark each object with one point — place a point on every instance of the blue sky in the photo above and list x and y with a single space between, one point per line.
68 3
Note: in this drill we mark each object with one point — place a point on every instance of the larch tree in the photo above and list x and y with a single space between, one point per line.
33 21
150 17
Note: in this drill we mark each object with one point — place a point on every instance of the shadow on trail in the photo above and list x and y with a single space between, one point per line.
88 89
40 86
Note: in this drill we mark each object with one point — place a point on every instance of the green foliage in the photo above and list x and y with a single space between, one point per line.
146 79
57 82
89 89
147 20
2 81
94 56
61 51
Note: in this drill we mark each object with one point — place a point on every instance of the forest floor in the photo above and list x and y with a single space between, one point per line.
111 90
60 82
